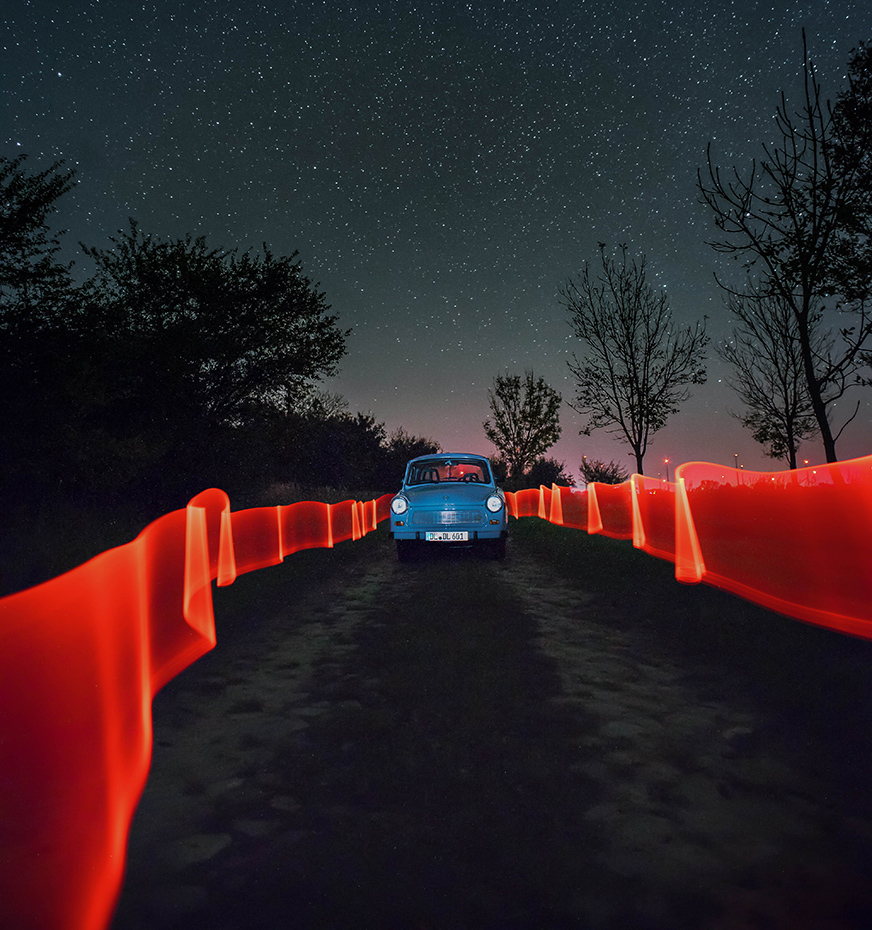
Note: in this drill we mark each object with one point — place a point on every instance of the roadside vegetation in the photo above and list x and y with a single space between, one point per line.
161 367
797 666
172 367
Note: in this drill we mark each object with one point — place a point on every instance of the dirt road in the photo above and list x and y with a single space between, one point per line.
564 739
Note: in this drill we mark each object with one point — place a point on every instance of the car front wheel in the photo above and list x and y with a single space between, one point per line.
498 548
404 550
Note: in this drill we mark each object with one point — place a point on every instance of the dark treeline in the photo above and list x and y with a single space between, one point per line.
174 367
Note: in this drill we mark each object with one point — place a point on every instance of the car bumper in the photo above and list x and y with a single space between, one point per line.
419 533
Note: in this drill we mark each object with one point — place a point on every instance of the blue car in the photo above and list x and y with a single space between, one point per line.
449 500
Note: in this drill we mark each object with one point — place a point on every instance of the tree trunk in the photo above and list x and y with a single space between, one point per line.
791 444
814 390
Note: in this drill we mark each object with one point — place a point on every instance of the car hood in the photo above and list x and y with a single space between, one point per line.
448 494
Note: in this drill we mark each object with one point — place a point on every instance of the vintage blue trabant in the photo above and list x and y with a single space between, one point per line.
449 500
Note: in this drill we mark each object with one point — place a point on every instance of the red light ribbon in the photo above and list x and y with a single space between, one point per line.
81 658
82 655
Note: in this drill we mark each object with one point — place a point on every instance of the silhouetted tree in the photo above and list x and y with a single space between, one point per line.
602 472
524 421
339 451
226 328
637 362
547 472
38 345
543 470
194 344
500 470
799 219
852 157
31 278
402 446
768 376
852 121
302 399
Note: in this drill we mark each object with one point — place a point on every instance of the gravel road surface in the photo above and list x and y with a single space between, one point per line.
567 738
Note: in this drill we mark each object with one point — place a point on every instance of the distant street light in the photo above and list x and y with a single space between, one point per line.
667 470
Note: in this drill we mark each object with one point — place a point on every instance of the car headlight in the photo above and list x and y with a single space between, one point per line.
494 503
399 505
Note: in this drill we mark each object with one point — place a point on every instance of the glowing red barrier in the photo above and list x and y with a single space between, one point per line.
81 657
572 505
610 510
653 503
524 503
797 542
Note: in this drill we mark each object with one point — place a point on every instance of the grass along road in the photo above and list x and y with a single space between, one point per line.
565 739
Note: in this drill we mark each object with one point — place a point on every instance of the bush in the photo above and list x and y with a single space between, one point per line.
604 473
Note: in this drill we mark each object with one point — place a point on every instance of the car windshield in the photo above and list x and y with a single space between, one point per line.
439 470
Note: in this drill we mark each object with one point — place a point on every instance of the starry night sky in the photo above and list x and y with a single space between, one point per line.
442 168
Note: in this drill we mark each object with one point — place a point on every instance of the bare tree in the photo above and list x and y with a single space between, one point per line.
525 419
852 153
790 220
637 364
764 352
852 120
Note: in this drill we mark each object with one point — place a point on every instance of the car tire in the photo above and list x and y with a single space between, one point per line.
404 550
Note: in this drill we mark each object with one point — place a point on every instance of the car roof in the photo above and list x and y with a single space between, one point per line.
448 455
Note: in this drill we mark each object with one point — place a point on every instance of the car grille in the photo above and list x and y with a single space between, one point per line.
445 517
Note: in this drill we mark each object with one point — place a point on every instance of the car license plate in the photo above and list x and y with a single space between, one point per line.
450 536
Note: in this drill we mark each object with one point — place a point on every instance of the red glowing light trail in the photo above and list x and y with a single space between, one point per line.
81 658
82 655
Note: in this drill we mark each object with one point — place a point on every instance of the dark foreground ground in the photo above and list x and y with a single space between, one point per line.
565 739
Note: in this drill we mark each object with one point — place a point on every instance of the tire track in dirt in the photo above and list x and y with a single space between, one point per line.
387 760
458 743
431 791
710 820
216 728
